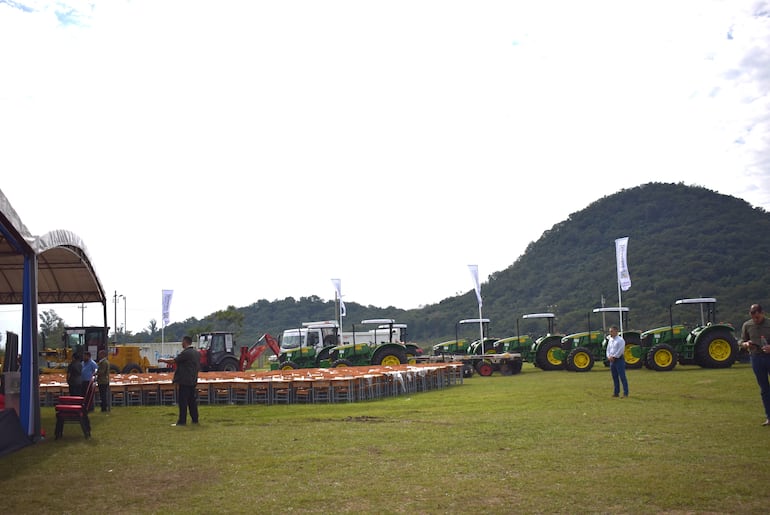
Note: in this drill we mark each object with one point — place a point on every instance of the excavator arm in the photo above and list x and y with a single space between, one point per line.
252 354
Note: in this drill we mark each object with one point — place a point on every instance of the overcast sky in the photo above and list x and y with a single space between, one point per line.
241 150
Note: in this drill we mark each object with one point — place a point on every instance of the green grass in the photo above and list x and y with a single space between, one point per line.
686 441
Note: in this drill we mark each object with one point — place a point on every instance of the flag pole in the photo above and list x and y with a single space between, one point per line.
620 308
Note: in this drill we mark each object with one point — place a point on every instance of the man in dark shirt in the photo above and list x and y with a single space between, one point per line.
186 379
755 335
74 376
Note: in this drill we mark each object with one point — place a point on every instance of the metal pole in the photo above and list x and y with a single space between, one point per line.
115 314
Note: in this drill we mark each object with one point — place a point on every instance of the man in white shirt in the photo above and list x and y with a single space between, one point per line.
616 346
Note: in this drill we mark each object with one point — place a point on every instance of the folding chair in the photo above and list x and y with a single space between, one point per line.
75 409
239 393
260 392
167 394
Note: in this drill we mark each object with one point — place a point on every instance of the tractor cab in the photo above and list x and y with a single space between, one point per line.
217 350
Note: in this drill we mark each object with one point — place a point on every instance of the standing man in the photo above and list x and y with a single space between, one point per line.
186 378
75 375
755 334
103 379
616 346
87 374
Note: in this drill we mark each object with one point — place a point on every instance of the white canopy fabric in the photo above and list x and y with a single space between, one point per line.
65 273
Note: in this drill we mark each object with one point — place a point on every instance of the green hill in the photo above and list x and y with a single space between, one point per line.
684 241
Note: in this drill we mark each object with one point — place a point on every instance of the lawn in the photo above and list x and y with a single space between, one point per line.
686 441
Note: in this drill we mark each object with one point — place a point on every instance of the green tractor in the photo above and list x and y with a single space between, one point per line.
471 351
585 348
399 335
464 346
375 347
709 345
545 352
307 347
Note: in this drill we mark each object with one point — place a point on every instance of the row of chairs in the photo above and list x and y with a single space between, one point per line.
284 389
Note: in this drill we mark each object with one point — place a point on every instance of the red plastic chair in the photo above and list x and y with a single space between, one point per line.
74 409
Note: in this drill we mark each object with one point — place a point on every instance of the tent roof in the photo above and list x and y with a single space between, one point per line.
64 270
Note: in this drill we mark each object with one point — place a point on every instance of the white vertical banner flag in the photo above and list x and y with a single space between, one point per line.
167 294
338 287
475 274
621 251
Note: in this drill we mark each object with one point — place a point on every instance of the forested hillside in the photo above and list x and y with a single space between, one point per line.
684 241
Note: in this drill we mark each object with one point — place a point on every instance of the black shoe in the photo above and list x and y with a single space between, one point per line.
615 395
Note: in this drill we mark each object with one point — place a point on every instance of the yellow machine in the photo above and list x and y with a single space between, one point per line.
123 358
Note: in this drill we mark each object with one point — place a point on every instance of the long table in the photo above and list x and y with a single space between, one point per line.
313 385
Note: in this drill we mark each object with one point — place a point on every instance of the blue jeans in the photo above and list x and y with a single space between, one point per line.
760 364
618 370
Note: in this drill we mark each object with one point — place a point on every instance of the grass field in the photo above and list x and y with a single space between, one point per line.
686 441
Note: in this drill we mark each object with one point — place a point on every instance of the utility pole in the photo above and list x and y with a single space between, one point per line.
115 314
125 324
82 309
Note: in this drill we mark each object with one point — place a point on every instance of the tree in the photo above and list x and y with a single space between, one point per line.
232 318
153 327
51 328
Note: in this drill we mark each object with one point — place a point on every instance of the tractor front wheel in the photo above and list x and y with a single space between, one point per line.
132 368
288 365
661 358
342 363
580 359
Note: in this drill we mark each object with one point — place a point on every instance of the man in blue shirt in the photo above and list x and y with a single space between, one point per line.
89 369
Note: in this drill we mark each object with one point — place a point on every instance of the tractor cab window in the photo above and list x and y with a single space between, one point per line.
218 343
290 340
312 338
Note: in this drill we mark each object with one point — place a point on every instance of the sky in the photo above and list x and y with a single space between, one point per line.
238 150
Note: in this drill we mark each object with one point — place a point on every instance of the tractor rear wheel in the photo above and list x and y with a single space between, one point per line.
229 365
632 351
484 368
661 358
132 368
580 359
389 357
716 349
114 369
342 363
547 357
